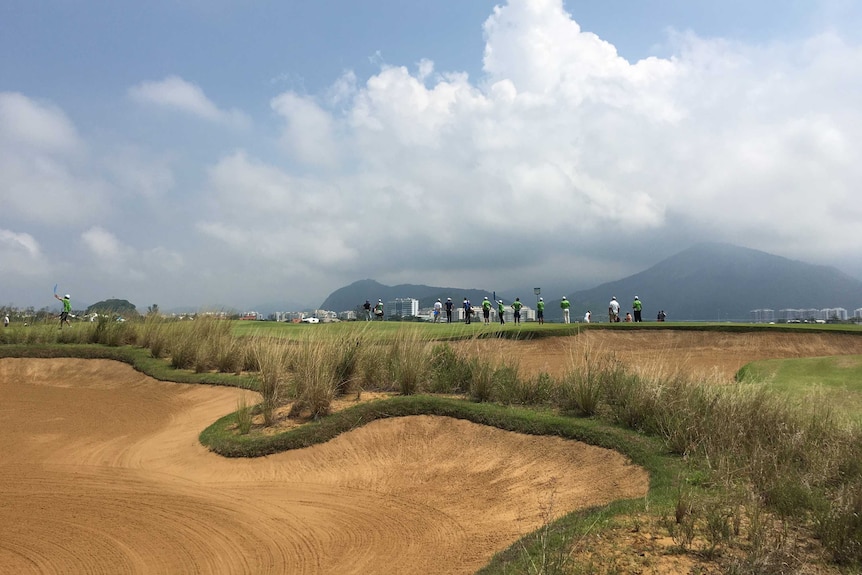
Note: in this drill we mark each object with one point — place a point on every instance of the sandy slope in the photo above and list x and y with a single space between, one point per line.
101 472
716 355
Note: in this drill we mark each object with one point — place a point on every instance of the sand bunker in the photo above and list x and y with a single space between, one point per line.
714 355
101 472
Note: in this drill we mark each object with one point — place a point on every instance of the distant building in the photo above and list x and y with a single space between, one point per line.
402 307
762 315
833 313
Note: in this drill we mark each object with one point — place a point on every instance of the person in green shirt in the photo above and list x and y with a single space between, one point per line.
516 308
540 310
486 310
564 305
637 306
67 309
501 310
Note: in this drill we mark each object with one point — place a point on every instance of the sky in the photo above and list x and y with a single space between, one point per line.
242 153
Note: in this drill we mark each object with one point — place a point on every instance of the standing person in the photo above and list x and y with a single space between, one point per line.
468 311
637 307
67 309
613 310
449 306
378 309
486 310
501 310
540 310
565 305
367 307
6 320
438 310
588 316
516 309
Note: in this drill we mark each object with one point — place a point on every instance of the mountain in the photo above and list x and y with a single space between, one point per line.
355 294
713 281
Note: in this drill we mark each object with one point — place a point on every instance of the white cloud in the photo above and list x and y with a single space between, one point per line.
20 254
176 93
308 133
47 175
113 259
41 126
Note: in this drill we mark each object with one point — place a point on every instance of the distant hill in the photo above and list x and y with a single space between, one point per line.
713 281
114 306
355 294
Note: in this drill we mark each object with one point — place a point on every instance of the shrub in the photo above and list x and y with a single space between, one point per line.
511 388
313 383
271 367
450 372
482 380
347 353
578 391
408 361
243 416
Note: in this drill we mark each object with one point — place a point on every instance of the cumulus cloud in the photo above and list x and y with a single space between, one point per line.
178 94
564 138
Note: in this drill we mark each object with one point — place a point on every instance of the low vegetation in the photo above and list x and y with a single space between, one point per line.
741 474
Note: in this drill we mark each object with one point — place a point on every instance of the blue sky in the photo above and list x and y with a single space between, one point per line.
241 153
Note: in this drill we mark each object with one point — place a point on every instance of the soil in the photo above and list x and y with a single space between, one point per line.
101 471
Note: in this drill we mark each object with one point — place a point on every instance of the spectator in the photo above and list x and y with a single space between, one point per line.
438 310
614 310
540 310
516 309
637 306
564 305
449 306
486 310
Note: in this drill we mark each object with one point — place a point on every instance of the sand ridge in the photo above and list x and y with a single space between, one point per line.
102 472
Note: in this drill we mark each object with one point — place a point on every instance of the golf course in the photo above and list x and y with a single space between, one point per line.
115 459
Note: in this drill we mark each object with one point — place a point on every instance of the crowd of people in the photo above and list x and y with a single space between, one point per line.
448 306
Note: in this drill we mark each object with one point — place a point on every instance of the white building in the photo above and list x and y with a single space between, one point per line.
762 315
838 313
402 307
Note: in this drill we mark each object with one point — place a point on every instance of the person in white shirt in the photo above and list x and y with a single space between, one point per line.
438 309
613 310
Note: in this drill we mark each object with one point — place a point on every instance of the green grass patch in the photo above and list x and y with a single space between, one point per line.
836 379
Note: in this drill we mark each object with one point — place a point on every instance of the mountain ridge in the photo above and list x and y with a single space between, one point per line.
705 282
